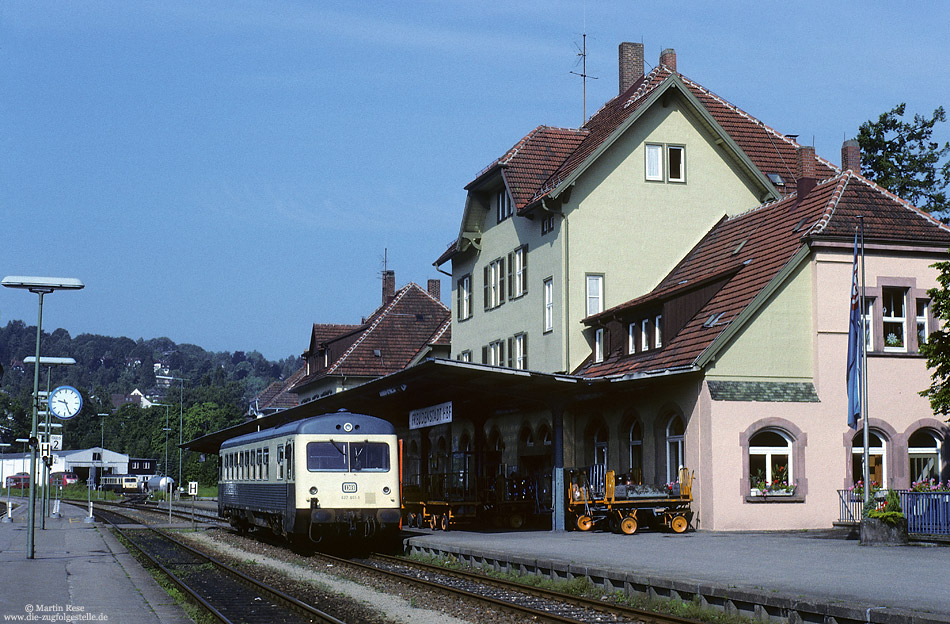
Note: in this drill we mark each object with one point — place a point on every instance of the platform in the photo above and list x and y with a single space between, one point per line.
784 576
79 572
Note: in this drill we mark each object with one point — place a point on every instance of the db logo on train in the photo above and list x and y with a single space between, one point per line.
349 487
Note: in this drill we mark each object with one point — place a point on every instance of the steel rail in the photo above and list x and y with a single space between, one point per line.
305 609
545 594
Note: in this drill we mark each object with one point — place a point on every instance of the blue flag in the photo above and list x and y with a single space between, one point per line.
855 347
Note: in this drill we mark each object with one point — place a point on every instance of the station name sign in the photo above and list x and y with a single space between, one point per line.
431 416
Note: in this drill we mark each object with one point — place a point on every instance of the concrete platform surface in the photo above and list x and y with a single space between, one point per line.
815 567
79 572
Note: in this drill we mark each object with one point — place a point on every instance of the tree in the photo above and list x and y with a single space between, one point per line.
937 347
902 157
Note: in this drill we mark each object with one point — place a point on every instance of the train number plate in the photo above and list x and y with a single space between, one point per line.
349 487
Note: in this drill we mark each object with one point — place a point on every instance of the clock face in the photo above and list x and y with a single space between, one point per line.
65 402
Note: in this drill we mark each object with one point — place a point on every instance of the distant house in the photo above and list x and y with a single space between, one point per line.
410 325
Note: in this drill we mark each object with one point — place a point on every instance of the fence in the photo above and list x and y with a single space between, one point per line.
926 512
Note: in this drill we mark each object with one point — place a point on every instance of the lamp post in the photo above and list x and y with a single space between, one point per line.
181 415
3 481
41 286
49 363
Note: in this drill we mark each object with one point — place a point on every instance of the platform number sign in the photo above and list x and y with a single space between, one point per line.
56 441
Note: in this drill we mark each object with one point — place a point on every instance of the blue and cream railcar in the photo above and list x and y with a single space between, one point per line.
335 474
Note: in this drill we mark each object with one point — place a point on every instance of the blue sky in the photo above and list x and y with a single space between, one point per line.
228 173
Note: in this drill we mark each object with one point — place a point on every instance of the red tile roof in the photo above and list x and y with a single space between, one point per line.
747 252
390 338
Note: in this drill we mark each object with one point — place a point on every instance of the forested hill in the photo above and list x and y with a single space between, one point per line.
107 365
215 393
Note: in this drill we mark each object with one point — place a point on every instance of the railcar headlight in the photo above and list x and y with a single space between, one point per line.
313 490
386 490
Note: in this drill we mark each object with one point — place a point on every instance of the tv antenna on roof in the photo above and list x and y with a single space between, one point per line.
582 53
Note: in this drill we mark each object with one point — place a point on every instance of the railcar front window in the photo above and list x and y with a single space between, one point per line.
369 457
326 456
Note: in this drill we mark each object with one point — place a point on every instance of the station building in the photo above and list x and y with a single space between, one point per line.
668 286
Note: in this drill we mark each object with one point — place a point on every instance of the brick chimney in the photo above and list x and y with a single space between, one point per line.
389 286
805 170
631 64
668 58
851 156
435 289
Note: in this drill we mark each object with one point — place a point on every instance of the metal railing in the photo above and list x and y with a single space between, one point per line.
927 513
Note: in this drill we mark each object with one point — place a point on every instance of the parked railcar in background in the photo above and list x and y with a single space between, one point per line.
19 481
330 475
123 484
62 479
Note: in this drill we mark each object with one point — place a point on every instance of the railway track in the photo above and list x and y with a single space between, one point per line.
523 602
224 592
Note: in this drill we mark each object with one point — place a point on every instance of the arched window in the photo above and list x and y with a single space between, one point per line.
600 445
923 450
545 435
770 461
465 443
636 451
675 434
876 457
527 437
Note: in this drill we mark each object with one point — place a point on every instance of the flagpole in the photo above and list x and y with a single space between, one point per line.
864 375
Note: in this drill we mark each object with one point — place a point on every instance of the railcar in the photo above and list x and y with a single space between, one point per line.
123 484
57 479
331 475
19 481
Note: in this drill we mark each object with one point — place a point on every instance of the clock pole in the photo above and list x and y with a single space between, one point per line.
40 286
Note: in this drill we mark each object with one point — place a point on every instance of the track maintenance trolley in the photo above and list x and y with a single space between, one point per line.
596 498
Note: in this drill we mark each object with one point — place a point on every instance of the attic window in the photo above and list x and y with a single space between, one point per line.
503 205
776 179
713 320
420 317
801 224
740 246
377 353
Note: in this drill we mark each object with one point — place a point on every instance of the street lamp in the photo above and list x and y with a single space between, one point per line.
41 286
3 482
49 363
181 415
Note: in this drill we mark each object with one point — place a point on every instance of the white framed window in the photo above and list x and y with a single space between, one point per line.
923 451
632 338
877 453
923 322
495 353
645 335
676 163
549 304
868 317
894 319
770 461
595 294
518 272
503 204
547 224
464 297
599 345
654 162
675 440
464 356
494 283
519 351
657 334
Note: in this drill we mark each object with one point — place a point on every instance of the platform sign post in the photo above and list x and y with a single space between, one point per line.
193 493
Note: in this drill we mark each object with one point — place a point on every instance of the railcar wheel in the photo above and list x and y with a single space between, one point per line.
433 521
420 521
411 520
584 523
628 526
444 522
678 524
516 520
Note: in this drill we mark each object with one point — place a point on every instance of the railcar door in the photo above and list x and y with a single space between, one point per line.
285 474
